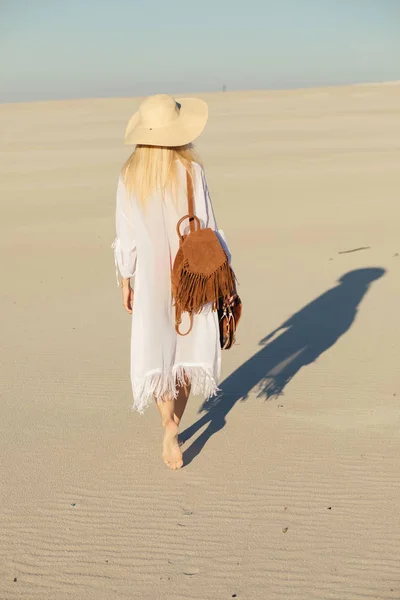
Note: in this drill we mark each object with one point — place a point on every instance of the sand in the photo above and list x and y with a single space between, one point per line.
292 480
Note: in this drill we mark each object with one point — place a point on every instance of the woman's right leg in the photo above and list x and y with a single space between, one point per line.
180 402
171 452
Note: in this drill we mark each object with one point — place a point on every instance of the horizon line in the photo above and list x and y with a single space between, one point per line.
199 93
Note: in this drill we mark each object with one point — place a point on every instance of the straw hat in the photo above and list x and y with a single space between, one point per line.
163 121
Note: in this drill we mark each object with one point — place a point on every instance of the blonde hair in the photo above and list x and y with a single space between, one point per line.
151 168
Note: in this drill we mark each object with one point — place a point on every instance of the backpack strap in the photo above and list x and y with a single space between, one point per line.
193 220
190 195
178 321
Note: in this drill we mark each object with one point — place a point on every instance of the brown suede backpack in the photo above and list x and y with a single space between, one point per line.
201 273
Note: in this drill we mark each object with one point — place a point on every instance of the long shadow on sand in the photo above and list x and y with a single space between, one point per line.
304 337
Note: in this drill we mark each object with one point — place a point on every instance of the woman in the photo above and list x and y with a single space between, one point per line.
151 198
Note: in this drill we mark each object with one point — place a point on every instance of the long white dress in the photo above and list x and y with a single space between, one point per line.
144 249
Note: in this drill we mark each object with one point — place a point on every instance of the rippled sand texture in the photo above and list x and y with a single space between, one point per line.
291 484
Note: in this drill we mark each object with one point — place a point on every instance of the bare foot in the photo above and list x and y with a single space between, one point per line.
172 455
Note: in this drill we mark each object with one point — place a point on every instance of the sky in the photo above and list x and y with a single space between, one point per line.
56 49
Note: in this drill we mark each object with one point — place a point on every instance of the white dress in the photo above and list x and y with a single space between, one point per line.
144 249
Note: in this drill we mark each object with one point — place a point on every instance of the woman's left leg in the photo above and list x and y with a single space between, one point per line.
172 454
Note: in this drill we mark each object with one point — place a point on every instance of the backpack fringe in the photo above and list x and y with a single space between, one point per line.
195 289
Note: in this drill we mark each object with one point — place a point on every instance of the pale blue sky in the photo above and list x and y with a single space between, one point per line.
93 48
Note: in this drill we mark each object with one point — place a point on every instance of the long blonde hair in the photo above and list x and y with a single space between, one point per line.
151 168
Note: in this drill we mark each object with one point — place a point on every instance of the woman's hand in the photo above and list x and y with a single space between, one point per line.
127 295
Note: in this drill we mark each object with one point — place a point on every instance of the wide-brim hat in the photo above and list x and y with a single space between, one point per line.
163 121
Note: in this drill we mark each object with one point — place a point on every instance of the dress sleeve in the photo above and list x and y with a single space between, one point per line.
124 245
205 211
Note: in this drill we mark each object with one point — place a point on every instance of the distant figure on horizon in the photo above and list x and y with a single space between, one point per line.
151 198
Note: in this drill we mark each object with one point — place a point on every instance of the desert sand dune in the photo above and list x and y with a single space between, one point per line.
292 477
